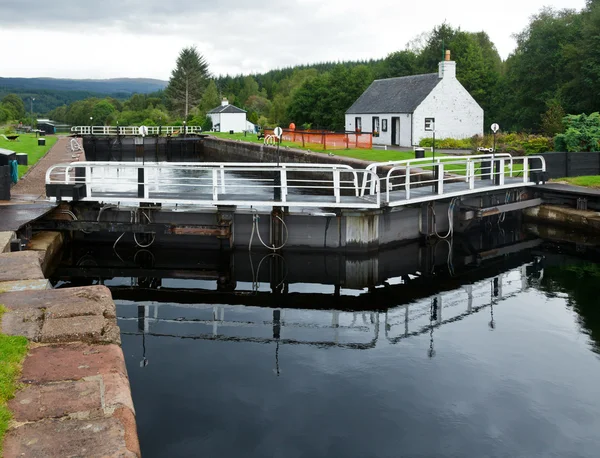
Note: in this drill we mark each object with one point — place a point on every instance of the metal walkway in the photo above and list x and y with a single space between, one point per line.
387 184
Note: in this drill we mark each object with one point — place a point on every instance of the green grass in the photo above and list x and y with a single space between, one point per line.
369 155
592 181
28 143
12 352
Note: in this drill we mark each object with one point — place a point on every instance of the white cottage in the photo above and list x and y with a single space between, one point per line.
402 111
226 118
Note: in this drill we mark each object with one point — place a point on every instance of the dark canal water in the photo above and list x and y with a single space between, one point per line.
494 358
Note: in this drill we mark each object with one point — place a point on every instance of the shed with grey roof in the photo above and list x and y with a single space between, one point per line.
402 111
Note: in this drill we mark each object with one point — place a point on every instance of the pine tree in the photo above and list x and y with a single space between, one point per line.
187 81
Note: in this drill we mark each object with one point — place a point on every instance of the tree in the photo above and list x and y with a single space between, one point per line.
210 99
14 104
400 63
187 82
103 112
540 68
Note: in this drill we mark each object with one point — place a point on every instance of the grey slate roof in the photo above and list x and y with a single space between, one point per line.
395 95
227 109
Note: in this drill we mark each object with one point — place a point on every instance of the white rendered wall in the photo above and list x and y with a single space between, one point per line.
233 121
385 138
456 113
215 118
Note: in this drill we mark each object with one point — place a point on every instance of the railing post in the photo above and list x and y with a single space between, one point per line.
501 172
406 183
336 185
372 184
471 173
88 182
215 184
525 170
440 178
284 188
223 179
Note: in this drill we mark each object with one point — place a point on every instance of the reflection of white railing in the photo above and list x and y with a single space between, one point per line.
357 330
420 317
332 327
239 184
135 130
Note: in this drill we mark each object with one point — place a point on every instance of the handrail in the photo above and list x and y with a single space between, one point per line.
104 178
336 185
135 130
495 174
428 160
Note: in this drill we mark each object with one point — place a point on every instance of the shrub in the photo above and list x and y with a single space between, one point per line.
512 143
582 133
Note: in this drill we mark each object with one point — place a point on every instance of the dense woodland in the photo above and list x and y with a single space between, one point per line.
554 70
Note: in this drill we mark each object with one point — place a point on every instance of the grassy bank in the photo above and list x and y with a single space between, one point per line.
12 353
369 155
592 181
28 143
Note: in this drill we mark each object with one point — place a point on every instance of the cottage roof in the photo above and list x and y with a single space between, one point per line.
227 109
395 95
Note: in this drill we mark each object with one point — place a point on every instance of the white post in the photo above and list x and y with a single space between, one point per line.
88 184
223 179
440 178
469 298
215 184
406 183
284 187
146 184
336 185
471 173
525 170
501 166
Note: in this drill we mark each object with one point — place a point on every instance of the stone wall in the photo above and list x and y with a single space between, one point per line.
75 398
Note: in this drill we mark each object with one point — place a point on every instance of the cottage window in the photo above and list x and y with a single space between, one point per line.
384 125
375 126
358 124
429 124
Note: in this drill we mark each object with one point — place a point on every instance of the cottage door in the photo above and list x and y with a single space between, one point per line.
395 130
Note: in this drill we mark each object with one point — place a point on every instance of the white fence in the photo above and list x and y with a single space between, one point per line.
135 130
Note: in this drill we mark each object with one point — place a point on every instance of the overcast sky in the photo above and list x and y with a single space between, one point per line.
141 38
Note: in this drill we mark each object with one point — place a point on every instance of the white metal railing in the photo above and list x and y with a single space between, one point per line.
135 130
428 161
239 184
310 185
501 172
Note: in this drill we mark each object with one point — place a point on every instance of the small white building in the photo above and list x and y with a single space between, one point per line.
226 118
402 111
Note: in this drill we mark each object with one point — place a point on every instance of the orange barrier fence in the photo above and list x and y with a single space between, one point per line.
326 140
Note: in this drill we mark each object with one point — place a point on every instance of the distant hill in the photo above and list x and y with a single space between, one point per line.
50 93
115 86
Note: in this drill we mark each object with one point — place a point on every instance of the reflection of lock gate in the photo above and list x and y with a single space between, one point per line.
337 328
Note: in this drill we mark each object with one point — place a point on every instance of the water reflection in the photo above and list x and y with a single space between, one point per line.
479 356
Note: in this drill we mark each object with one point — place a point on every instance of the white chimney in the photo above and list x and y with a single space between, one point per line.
447 67
224 102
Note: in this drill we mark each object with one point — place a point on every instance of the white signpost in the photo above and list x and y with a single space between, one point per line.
278 131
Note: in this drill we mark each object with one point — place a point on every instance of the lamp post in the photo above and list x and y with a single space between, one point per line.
31 105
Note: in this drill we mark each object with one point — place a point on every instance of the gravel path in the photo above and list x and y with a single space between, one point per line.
33 184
